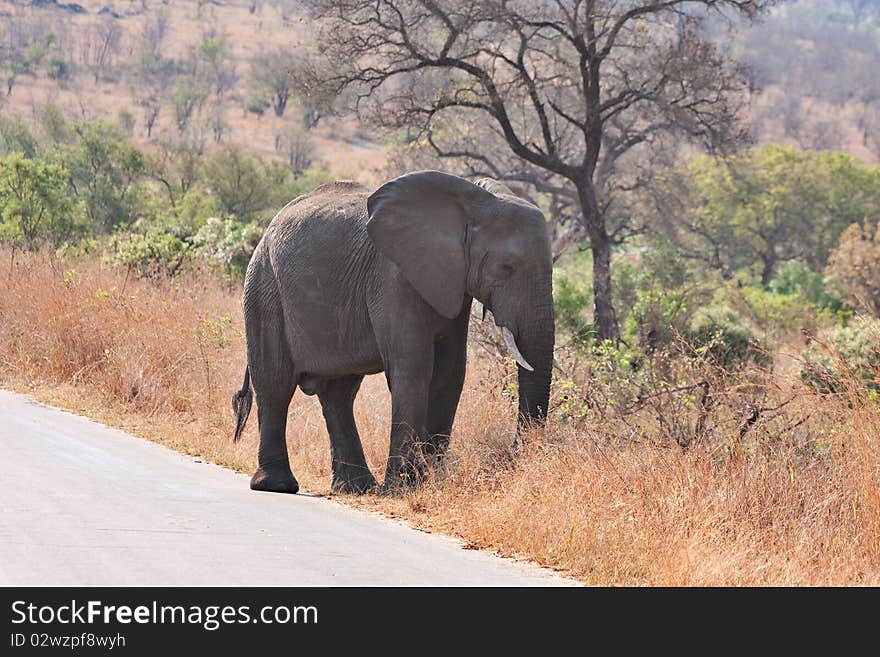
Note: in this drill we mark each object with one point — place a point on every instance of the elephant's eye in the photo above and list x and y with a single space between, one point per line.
506 268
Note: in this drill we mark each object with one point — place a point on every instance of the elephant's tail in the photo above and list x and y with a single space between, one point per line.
241 405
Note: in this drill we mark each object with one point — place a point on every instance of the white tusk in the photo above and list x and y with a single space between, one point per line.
558 365
514 350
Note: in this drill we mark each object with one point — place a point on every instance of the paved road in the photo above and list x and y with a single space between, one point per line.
82 504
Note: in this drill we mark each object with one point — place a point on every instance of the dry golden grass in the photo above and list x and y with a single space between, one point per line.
161 358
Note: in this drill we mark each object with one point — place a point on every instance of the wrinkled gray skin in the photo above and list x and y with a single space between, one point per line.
346 283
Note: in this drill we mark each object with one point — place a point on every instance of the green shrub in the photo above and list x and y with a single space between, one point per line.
106 169
227 243
57 69
16 137
257 106
36 204
777 313
721 335
796 278
148 254
571 299
843 355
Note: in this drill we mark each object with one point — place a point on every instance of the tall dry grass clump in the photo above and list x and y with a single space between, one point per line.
158 349
721 480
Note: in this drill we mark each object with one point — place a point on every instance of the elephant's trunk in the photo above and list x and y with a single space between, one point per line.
535 341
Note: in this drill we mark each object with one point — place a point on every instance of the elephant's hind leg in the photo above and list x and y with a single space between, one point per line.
273 377
350 471
273 474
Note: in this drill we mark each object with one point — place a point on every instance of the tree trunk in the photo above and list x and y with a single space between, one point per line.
767 269
600 246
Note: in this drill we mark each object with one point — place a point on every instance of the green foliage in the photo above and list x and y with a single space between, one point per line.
768 205
240 182
570 303
844 356
305 182
723 337
614 377
152 66
148 254
777 313
659 292
193 210
257 106
16 137
227 244
250 189
795 278
36 205
126 121
57 69
187 96
34 55
214 50
573 298
105 168
53 125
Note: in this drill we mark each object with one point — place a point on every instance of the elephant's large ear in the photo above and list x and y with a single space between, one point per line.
418 221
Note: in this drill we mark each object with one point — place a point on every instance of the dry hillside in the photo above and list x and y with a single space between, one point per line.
101 52
813 78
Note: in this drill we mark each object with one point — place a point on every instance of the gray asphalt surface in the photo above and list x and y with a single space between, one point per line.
83 504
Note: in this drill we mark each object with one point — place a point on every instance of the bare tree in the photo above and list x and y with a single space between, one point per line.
187 97
152 80
215 58
217 120
270 77
294 142
155 29
106 36
570 87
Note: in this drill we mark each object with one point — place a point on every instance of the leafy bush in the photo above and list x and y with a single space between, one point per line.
756 210
53 124
227 244
721 335
843 355
796 278
105 168
245 186
257 106
57 69
16 137
571 299
775 313
148 254
36 205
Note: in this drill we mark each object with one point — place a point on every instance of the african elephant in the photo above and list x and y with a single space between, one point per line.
346 282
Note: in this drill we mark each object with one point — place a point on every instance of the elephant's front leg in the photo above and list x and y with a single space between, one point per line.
409 384
447 381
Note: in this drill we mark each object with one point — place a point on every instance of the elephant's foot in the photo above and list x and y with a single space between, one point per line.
352 479
402 475
274 479
434 449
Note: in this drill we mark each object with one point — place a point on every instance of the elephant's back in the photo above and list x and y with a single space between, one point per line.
319 226
341 203
321 257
